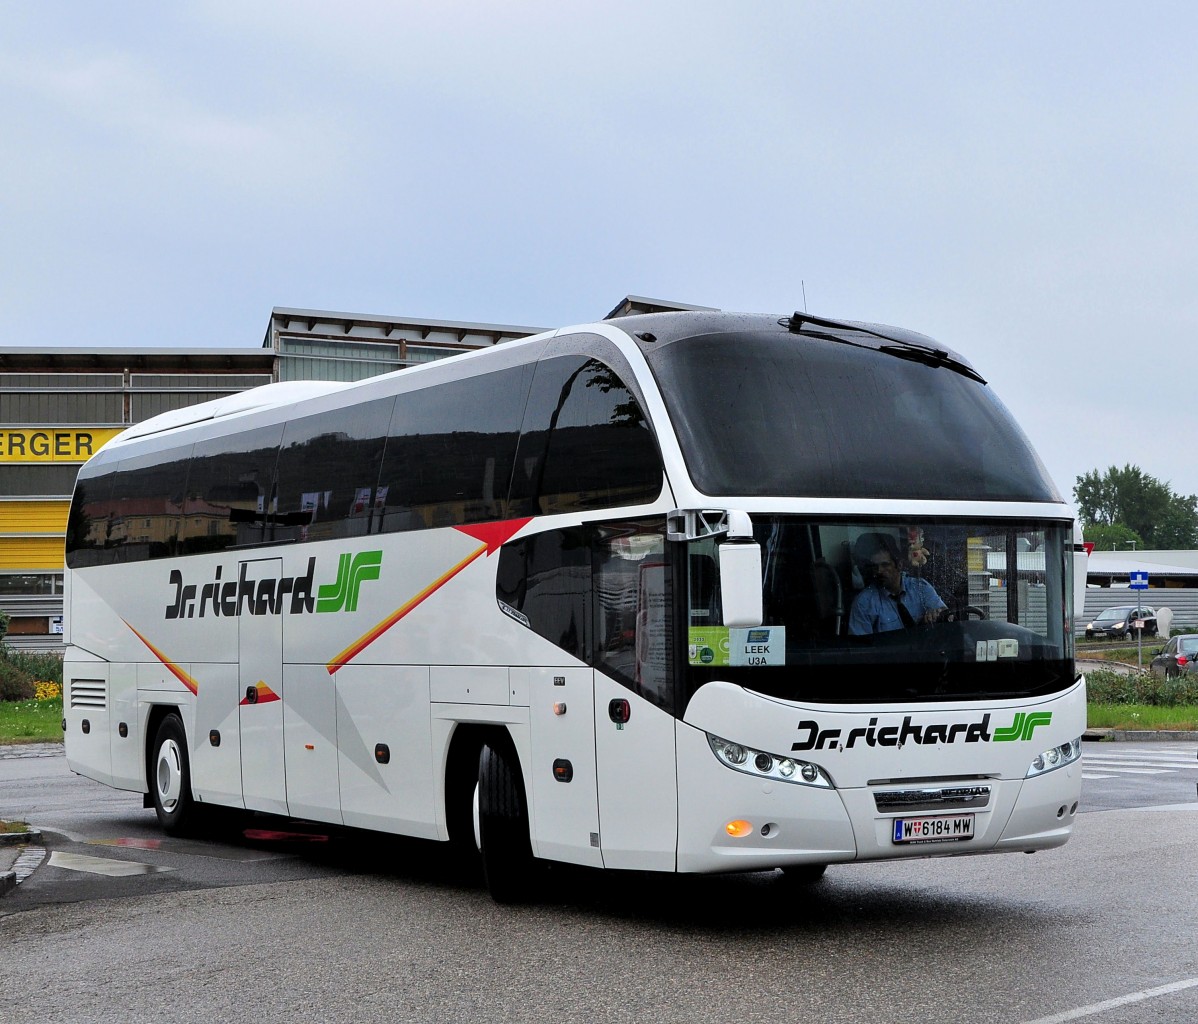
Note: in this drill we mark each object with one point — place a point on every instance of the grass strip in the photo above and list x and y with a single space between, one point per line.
31 721
1142 716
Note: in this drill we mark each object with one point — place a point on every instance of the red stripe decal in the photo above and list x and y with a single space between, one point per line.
493 536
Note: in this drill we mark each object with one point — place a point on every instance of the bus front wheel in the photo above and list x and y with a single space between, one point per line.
502 820
170 777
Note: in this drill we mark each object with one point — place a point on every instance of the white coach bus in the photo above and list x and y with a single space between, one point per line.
691 592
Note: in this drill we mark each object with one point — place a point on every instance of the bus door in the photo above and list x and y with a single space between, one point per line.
260 661
634 693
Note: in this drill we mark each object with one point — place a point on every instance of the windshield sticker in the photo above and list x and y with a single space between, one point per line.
722 646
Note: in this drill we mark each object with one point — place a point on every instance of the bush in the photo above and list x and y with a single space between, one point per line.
21 672
1105 686
15 682
40 665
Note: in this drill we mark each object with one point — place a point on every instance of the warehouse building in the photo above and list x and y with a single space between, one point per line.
58 406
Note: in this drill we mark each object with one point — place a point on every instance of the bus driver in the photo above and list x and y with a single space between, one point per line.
891 598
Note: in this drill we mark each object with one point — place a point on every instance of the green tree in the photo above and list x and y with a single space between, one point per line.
1115 537
1140 503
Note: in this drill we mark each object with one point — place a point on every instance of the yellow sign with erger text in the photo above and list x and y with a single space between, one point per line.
51 444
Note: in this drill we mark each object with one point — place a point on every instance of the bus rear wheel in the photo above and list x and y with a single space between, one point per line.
502 816
170 777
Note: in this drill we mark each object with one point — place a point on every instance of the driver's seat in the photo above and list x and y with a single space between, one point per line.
828 596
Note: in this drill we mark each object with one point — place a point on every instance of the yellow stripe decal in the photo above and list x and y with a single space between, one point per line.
174 669
364 641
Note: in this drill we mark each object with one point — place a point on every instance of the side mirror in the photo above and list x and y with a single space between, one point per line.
740 582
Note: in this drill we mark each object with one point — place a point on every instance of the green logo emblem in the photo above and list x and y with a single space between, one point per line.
1024 725
352 571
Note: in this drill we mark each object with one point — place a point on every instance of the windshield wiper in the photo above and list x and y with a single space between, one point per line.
932 357
898 347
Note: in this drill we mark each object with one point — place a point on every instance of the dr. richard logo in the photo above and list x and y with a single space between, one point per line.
812 737
269 595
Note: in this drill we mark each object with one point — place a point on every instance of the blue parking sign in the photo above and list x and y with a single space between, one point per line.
1138 581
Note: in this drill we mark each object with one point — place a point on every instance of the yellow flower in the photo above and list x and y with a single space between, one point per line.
44 690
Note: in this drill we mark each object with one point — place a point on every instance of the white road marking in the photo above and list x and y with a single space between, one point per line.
1180 762
1110 1004
1096 767
1119 770
102 865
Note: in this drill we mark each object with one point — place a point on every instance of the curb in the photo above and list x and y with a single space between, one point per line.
10 879
1141 735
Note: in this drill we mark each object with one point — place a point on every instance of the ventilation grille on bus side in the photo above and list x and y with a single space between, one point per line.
88 693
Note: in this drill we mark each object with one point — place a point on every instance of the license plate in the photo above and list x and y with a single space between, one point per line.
938 829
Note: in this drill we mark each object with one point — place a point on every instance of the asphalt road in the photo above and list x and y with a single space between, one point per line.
292 925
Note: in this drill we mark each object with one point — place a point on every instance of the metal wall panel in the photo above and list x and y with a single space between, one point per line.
33 517
32 553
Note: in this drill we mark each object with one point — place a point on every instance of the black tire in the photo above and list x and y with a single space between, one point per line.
508 864
170 778
461 787
804 874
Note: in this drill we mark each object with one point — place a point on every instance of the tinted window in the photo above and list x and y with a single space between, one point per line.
229 486
585 444
449 452
328 473
127 512
633 609
547 579
775 414
88 521
147 494
601 592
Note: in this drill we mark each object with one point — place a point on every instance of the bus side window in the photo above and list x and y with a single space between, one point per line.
229 484
449 452
89 521
633 609
547 579
147 495
328 473
585 442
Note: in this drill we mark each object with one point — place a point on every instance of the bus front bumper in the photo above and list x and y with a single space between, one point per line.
730 821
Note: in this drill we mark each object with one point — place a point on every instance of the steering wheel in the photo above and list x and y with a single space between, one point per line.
962 612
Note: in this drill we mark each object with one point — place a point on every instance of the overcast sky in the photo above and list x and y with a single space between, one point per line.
1017 180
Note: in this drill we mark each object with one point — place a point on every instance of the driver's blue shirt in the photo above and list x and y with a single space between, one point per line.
875 611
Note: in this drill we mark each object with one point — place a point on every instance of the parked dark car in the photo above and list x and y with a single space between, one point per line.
1119 623
1176 657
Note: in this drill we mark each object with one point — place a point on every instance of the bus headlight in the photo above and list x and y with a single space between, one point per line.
1056 757
763 765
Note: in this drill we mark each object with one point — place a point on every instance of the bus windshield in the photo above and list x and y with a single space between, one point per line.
770 414
887 611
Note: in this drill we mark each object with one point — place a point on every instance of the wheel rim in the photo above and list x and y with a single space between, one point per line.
478 832
170 775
